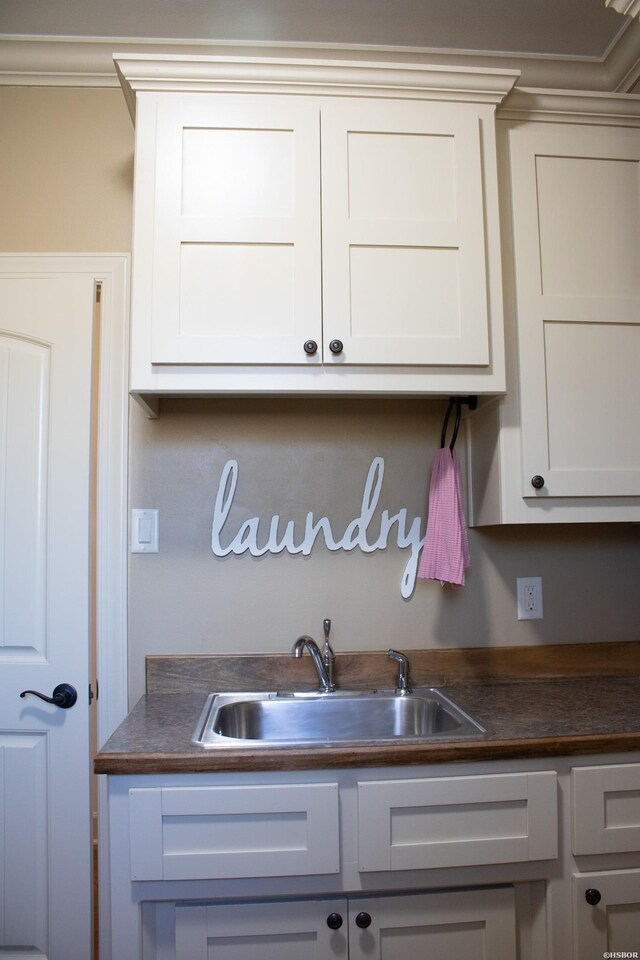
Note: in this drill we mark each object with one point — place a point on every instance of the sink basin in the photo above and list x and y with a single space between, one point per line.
267 719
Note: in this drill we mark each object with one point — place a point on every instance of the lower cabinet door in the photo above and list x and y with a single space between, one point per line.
606 914
292 930
469 924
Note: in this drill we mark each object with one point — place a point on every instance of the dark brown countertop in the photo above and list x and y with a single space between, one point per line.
526 719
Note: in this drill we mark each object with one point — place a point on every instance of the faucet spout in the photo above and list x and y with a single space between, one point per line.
324 675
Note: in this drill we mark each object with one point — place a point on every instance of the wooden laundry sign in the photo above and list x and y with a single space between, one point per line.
274 536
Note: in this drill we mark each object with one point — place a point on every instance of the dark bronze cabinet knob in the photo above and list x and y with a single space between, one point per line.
592 896
537 482
334 921
363 920
310 347
336 346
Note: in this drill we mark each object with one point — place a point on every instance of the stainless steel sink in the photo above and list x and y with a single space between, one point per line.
265 719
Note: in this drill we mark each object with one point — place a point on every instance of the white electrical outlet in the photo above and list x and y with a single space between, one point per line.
529 591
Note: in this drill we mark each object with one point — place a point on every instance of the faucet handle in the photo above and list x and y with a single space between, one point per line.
403 671
328 654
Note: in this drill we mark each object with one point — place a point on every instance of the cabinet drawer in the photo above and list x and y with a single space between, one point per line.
606 808
457 821
197 833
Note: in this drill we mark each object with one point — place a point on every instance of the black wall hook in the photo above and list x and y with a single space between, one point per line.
471 402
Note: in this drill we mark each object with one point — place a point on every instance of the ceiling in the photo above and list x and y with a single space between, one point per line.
580 34
576 28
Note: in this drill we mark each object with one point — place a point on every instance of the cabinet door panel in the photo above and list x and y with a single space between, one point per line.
403 237
612 925
576 216
236 235
260 931
577 192
474 924
593 400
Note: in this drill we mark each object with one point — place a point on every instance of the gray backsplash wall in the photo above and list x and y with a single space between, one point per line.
297 455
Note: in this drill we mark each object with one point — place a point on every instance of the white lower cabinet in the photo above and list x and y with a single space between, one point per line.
474 924
606 821
512 860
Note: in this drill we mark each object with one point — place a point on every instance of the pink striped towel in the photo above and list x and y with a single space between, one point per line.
445 554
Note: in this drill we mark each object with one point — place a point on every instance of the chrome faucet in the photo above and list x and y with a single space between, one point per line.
403 687
323 662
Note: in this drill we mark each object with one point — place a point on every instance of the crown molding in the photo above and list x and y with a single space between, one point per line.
571 106
150 73
88 62
629 7
622 62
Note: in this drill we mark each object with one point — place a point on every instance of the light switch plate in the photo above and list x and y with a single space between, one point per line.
144 531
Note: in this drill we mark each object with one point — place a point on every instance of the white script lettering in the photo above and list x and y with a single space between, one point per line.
355 534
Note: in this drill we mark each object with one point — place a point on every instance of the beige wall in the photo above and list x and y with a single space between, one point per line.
66 185
66 170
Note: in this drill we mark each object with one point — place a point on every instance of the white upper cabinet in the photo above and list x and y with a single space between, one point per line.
564 444
315 227
576 202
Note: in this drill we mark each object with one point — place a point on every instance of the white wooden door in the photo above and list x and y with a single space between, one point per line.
470 924
293 930
45 398
403 240
576 220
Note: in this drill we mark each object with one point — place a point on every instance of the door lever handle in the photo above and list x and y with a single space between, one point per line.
64 695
